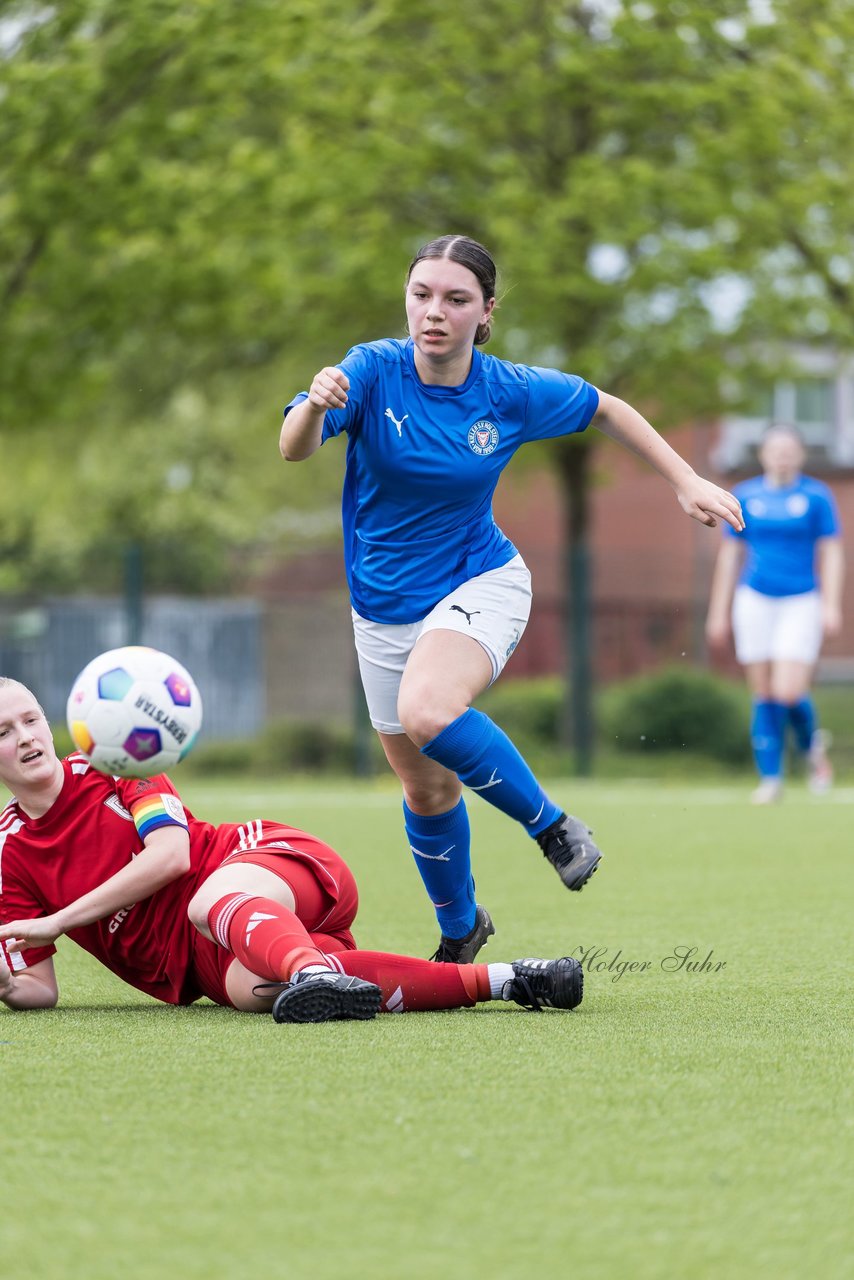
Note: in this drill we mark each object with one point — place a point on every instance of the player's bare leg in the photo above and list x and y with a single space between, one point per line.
445 673
238 877
251 912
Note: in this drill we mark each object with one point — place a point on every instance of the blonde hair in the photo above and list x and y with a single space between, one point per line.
782 429
8 682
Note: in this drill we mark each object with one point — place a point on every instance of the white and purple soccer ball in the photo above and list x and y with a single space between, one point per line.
134 712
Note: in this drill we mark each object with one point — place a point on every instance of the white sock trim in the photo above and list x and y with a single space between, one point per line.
499 974
313 968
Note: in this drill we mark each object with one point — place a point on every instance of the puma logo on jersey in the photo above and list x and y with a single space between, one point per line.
397 422
459 609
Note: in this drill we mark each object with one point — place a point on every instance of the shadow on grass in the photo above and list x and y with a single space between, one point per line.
69 1009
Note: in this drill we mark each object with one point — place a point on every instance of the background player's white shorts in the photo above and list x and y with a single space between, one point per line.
492 608
776 628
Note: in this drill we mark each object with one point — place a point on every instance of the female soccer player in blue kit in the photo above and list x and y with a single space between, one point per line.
440 597
782 606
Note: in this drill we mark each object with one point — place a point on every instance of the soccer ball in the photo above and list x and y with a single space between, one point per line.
134 712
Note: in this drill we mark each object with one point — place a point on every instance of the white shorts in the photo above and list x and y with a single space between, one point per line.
776 628
492 608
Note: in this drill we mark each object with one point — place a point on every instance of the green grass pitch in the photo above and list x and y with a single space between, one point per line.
681 1123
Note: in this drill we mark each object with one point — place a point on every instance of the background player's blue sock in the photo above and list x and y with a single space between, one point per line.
441 847
802 718
484 758
766 737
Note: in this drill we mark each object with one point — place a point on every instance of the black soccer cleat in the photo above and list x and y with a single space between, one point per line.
549 984
323 997
568 847
464 950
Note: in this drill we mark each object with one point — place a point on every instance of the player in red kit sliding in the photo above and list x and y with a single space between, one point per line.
254 915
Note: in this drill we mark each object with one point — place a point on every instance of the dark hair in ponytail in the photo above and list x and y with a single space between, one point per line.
468 253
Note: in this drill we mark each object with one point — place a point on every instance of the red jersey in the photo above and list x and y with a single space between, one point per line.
96 825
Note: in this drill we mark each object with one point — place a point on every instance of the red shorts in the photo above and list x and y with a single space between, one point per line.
323 886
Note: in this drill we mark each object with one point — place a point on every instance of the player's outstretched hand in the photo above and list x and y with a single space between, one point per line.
329 389
708 503
20 934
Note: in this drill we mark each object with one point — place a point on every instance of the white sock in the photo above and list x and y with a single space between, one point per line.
313 968
499 975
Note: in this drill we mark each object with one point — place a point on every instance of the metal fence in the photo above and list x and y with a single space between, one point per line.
220 641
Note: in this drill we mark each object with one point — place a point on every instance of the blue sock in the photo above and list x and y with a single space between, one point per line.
441 847
484 758
802 718
766 736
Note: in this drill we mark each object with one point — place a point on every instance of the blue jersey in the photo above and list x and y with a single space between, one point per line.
781 528
422 466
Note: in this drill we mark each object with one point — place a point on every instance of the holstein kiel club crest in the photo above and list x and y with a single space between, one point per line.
483 438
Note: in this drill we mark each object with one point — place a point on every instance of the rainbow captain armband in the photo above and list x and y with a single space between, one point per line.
159 810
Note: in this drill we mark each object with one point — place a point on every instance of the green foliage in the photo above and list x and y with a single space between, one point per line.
283 748
304 747
193 194
531 712
200 490
527 709
835 709
678 710
687 711
62 739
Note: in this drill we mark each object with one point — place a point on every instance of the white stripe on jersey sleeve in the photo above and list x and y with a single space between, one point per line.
9 824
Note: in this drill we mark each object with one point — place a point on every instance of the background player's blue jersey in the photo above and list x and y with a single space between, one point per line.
781 528
422 466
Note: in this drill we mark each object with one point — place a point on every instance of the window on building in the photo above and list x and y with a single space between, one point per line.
820 405
813 405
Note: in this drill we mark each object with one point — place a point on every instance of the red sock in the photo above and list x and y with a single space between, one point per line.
264 936
409 984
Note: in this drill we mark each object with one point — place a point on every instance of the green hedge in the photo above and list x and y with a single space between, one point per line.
282 747
678 709
527 708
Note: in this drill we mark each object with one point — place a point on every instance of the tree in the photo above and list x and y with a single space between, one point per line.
636 167
191 191
165 249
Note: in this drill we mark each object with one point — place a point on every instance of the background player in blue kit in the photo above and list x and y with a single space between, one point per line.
787 595
440 596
